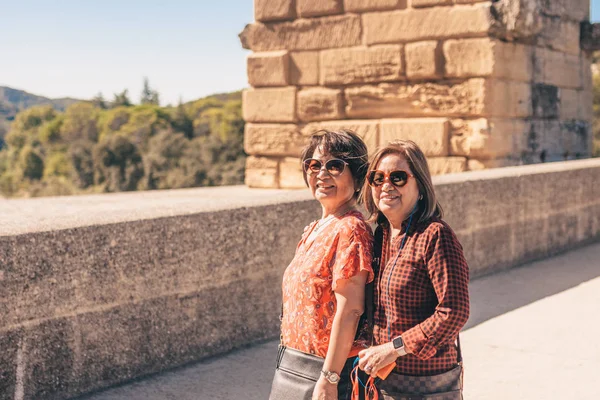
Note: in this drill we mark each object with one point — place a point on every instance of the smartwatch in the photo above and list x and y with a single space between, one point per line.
399 345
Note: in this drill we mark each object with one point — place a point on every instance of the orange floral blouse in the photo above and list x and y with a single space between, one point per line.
340 250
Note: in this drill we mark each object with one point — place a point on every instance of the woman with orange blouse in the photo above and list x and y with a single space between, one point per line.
324 285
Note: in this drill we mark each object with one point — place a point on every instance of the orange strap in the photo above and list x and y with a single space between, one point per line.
371 392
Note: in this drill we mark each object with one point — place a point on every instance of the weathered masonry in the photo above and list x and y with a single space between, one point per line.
477 84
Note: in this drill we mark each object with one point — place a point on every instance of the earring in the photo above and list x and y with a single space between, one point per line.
420 197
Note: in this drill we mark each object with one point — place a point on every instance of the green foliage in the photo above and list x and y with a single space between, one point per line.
31 163
122 99
89 148
149 96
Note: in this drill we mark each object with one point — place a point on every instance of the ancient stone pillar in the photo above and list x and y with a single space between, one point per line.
477 84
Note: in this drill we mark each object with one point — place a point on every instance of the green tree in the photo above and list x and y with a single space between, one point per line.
117 164
99 102
31 163
149 96
82 162
121 99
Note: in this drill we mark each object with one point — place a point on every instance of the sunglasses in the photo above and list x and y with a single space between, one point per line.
398 178
334 167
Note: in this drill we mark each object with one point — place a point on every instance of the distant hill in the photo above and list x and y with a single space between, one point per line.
14 100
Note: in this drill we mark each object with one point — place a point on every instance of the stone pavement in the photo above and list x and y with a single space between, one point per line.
532 335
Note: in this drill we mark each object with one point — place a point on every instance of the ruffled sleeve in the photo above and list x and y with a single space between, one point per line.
354 251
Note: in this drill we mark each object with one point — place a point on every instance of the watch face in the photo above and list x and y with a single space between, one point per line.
334 378
398 342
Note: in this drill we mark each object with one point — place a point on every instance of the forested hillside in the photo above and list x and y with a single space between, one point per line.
98 146
12 101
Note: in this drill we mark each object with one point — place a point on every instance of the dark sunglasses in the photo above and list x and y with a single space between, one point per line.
397 178
334 167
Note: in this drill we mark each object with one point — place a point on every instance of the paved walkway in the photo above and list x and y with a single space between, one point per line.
533 335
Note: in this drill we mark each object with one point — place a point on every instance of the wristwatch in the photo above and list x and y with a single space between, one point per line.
332 377
399 345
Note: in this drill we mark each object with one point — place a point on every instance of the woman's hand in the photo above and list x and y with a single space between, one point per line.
325 390
374 358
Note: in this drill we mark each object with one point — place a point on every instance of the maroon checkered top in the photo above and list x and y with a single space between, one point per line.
422 295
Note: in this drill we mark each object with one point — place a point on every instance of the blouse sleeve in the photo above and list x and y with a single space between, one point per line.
449 275
353 253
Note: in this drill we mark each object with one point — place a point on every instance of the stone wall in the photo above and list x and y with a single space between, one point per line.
97 290
477 84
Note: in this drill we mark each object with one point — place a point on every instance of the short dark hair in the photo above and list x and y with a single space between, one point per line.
345 145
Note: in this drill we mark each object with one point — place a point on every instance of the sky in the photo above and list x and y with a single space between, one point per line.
78 48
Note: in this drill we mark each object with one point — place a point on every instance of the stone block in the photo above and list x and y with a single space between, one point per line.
319 104
575 10
361 65
269 69
315 8
368 130
474 97
557 68
570 103
485 57
560 140
424 60
304 68
446 165
274 10
269 105
273 139
485 139
544 101
290 174
429 3
261 172
430 134
413 25
560 35
373 5
478 165
303 34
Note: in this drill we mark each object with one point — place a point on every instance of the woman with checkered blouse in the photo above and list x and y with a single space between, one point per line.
421 288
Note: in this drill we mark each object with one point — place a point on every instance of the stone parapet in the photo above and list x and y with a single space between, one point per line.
101 289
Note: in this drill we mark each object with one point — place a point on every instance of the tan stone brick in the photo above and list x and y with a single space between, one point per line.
422 24
269 105
430 134
290 174
576 10
368 130
361 65
569 103
424 60
304 68
488 57
273 139
557 68
475 97
488 139
315 8
268 69
319 104
303 34
428 3
261 172
373 5
273 10
469 1
446 165
478 165
561 35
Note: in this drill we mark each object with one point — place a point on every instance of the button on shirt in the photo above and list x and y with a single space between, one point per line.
422 294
